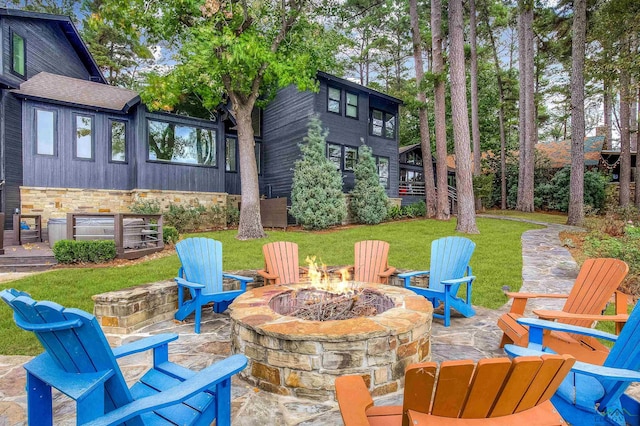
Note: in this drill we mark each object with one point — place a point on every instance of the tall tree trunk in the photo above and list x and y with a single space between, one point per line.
576 185
503 143
461 137
625 142
250 224
606 86
527 123
522 101
425 142
637 176
443 211
475 121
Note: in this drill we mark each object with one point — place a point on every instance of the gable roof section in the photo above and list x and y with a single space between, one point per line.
359 87
70 31
406 148
75 92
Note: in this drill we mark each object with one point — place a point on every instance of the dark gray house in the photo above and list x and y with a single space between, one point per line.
70 142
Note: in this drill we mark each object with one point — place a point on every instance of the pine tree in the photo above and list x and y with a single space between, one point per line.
368 198
317 201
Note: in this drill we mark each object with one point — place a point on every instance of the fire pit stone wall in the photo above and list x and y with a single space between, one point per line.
291 356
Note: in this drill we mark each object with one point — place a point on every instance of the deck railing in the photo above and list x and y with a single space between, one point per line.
135 235
416 189
27 228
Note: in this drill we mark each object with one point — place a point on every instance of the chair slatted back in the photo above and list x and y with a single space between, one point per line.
73 339
201 260
625 353
450 258
494 387
281 259
371 259
597 280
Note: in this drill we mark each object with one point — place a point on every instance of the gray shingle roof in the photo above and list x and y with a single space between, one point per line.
76 92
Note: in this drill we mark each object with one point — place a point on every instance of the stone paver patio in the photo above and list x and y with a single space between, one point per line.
547 267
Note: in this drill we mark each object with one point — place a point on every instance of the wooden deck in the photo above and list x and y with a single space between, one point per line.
27 258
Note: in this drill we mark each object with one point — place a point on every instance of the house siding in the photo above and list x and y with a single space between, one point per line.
285 125
12 156
48 49
62 170
169 176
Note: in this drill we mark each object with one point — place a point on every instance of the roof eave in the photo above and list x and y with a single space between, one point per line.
360 87
124 110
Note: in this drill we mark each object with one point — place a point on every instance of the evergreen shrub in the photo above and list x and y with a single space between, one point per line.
369 200
317 201
92 251
170 235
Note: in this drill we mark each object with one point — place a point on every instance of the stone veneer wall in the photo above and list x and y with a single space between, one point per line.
57 202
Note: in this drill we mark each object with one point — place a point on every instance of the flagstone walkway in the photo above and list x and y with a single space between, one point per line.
547 267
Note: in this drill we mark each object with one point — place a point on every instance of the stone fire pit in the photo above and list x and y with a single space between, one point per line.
302 358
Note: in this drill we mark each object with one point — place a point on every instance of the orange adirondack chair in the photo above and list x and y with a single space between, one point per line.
597 281
281 263
497 392
371 262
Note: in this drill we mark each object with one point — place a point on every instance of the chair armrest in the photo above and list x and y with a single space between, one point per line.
203 380
517 295
608 373
353 399
266 275
237 277
413 274
145 344
74 385
558 326
185 283
388 272
459 280
556 315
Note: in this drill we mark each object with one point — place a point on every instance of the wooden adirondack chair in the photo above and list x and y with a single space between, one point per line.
281 263
79 363
201 274
597 281
371 262
593 394
449 269
497 392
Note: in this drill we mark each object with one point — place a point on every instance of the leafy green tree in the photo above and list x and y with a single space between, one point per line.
368 198
233 52
317 201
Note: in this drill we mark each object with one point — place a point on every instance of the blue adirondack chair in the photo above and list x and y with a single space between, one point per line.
79 363
201 274
449 269
593 394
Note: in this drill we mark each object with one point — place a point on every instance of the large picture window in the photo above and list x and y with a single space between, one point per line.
18 55
118 139
84 137
352 105
334 154
178 143
334 100
231 155
382 124
46 132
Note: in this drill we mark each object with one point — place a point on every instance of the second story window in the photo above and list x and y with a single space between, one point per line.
118 141
258 152
352 105
18 55
334 100
84 137
256 122
46 132
382 124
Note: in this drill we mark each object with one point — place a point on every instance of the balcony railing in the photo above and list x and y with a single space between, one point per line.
416 188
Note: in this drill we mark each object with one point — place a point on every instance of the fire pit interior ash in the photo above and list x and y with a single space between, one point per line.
319 305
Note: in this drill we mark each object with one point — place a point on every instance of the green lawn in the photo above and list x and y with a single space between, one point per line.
497 262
